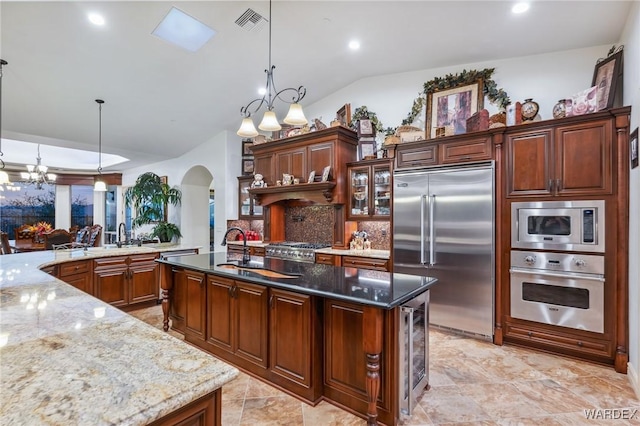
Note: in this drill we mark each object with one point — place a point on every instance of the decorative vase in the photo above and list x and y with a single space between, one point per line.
560 109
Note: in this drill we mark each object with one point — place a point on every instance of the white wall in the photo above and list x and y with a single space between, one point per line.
545 78
221 157
631 40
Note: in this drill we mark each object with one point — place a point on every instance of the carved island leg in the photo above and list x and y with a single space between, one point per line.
166 284
372 336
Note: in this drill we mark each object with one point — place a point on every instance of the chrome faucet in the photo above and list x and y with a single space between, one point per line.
245 250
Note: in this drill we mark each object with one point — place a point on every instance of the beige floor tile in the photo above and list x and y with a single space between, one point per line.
552 396
231 411
237 388
259 389
601 393
325 414
502 400
447 404
418 418
273 410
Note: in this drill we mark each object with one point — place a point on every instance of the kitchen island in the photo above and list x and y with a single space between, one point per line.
318 332
69 358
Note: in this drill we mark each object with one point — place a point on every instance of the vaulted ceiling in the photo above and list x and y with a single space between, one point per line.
162 101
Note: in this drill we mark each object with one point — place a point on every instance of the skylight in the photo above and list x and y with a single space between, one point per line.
183 30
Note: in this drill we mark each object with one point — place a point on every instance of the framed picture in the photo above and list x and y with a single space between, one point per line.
366 148
450 108
312 176
607 77
344 115
365 128
246 148
326 172
247 166
633 148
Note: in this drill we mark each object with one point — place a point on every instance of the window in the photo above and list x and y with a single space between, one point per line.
26 206
81 205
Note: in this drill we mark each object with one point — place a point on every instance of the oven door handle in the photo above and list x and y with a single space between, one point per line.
575 275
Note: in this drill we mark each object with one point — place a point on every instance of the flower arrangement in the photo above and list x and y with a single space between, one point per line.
41 228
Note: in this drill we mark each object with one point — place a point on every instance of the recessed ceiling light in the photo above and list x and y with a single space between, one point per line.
354 45
96 19
183 30
520 7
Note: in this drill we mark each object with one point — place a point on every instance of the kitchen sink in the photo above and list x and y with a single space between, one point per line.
256 268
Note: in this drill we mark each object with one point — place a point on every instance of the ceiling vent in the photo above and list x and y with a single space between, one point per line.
251 20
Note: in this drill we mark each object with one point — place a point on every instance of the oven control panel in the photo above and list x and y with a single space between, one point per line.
564 262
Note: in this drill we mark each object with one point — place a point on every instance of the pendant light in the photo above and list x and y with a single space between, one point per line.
99 185
4 176
269 121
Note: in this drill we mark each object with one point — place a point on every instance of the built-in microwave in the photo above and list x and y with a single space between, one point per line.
558 225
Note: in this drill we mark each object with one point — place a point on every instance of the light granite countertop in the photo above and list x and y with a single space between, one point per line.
69 358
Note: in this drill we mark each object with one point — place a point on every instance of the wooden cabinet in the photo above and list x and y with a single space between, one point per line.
370 190
449 150
126 281
188 312
247 208
299 155
568 160
238 318
292 338
78 274
328 259
365 263
573 158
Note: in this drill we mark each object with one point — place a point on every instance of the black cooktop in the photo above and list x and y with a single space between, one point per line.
294 244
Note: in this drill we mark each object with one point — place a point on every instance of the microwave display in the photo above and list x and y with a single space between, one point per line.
549 225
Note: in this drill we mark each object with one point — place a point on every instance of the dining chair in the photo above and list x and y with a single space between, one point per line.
81 237
58 238
5 247
94 236
24 232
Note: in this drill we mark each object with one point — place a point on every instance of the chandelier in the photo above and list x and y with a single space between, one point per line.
37 175
269 120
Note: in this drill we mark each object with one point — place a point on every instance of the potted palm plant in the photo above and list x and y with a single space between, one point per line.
149 197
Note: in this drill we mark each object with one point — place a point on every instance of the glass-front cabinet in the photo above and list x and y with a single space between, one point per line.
370 190
247 208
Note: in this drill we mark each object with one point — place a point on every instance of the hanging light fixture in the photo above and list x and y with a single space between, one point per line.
37 175
4 176
100 186
269 120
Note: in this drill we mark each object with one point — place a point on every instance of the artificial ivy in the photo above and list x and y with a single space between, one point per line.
490 89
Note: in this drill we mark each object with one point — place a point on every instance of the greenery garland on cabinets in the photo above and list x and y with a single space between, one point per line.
490 89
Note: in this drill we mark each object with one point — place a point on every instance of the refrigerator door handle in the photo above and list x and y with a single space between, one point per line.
432 240
423 199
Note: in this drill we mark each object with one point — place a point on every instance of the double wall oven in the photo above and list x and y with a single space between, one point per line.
557 263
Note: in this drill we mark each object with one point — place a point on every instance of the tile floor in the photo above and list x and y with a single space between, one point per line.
472 382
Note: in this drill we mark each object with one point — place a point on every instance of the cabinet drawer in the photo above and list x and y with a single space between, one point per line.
468 150
142 258
73 268
560 342
417 156
326 259
365 263
110 262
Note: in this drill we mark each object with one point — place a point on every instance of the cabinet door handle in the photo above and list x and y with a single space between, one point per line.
558 185
230 291
201 282
235 291
271 302
550 185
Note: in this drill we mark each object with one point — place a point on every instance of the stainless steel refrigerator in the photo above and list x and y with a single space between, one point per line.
443 226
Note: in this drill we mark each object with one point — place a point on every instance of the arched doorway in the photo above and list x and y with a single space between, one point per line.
195 220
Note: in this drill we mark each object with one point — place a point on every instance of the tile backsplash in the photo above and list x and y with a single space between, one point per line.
314 224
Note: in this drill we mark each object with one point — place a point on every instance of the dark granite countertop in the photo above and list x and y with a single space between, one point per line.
381 289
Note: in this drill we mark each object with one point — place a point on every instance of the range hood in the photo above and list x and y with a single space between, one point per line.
319 193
